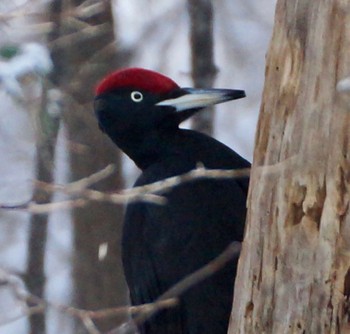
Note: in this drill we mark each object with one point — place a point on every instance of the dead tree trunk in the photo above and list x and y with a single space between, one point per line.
294 270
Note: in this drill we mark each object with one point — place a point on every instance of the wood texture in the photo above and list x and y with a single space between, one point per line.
294 270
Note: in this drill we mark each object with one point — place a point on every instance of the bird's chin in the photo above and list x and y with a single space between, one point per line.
186 114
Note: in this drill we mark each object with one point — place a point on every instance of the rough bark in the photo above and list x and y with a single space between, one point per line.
293 274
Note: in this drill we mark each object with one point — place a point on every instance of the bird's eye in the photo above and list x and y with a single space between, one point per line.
136 96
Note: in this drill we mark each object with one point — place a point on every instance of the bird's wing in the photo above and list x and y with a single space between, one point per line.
164 244
141 271
199 221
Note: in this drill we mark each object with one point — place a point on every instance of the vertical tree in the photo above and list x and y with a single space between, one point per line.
46 142
202 56
46 138
84 52
293 274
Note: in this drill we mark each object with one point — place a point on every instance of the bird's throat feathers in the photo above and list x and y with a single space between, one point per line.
143 149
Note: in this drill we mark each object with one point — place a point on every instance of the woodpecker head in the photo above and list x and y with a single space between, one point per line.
135 101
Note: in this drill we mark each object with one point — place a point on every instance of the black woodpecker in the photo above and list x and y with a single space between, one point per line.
140 110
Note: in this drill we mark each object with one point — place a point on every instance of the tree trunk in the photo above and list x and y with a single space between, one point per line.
35 275
47 132
294 270
202 57
83 54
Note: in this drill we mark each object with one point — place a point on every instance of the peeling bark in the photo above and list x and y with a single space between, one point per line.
293 274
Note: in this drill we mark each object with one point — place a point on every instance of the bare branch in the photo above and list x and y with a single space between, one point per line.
36 208
84 11
89 325
82 184
84 33
80 188
198 173
39 305
144 193
178 289
142 312
95 195
147 193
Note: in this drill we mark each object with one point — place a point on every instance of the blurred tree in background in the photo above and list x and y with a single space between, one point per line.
86 53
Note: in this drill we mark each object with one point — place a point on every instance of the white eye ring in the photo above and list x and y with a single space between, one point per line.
136 96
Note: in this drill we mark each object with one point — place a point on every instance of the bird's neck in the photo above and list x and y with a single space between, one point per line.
148 148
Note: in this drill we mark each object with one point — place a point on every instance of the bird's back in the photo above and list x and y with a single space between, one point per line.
164 244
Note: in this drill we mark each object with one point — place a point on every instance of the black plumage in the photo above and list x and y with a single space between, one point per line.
140 111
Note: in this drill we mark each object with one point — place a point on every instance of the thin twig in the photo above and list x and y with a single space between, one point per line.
82 184
45 208
178 289
39 305
143 312
147 193
89 325
80 188
198 173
